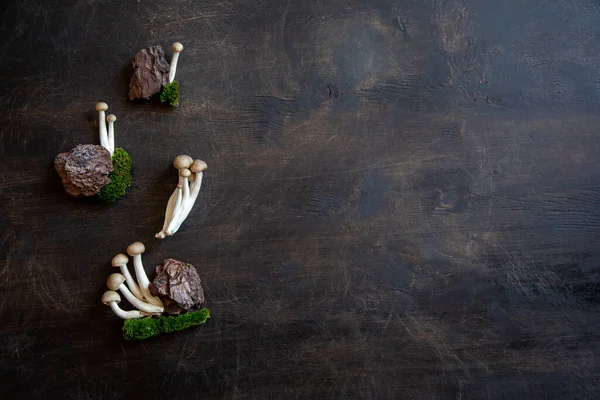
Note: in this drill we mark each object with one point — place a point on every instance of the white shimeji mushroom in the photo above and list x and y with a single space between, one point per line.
112 299
121 260
177 48
116 282
135 250
101 108
183 198
111 133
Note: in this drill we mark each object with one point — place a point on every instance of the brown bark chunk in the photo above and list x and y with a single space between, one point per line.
84 170
177 284
150 73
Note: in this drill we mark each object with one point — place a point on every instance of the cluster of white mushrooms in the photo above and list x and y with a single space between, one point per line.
137 293
107 134
183 198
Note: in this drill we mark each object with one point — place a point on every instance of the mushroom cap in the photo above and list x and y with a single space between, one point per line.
192 178
182 161
120 260
198 166
136 248
177 47
110 296
114 281
111 118
185 173
101 106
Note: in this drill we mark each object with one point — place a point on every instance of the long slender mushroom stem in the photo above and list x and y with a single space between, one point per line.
112 299
184 197
111 133
135 250
121 260
115 282
101 108
177 48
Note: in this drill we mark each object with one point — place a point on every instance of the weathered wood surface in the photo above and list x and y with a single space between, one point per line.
402 199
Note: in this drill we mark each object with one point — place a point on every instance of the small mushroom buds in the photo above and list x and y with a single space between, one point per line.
90 170
183 198
152 74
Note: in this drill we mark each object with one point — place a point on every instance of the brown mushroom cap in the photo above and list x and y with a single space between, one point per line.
111 118
198 166
114 281
182 161
177 47
110 296
101 106
185 173
120 260
136 248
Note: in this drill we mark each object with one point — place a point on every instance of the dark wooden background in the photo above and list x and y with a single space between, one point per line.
402 199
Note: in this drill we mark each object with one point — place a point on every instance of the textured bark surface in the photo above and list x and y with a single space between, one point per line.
150 73
178 286
84 170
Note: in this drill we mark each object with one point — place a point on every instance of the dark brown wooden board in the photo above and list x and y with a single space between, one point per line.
402 199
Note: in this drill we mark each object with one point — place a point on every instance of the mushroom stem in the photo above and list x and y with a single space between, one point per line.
120 260
177 48
133 314
168 215
196 185
116 282
112 299
101 108
111 133
135 250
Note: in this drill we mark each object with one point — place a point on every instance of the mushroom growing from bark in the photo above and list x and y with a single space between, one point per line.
96 170
177 48
101 108
170 93
183 198
136 250
116 282
112 299
111 133
176 282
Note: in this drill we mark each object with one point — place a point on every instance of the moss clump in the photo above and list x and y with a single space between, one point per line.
140 329
170 94
120 178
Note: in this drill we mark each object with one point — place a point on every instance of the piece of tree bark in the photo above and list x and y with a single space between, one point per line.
177 284
150 73
84 170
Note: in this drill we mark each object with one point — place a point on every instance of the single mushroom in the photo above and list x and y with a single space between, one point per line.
111 133
183 198
177 48
115 282
121 260
135 250
101 108
112 299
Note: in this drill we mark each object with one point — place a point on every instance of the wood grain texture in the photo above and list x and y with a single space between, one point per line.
401 201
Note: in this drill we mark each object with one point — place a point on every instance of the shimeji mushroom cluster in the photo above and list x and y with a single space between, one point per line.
120 178
139 323
137 293
170 93
183 198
